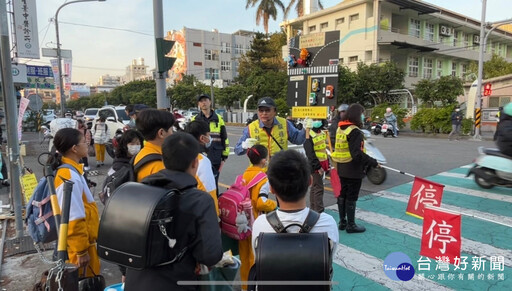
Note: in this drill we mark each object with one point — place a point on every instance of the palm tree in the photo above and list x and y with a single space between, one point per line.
265 10
299 7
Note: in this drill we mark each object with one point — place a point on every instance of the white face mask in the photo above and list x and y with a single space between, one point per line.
133 149
209 143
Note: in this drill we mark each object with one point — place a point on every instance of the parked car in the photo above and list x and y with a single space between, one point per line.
90 114
116 120
78 114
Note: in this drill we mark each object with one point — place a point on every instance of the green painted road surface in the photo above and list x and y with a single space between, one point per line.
486 243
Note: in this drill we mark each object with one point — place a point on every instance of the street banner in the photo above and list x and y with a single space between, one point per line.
67 74
23 106
27 39
28 185
441 235
423 192
55 69
314 112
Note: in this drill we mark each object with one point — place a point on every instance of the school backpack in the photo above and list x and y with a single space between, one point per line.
39 214
123 175
311 253
235 208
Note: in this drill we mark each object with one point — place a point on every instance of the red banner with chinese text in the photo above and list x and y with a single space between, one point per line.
441 235
423 192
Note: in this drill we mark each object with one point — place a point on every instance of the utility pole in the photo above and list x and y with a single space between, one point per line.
478 105
211 88
9 95
162 102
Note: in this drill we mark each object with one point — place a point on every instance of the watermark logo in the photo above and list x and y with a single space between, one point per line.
398 267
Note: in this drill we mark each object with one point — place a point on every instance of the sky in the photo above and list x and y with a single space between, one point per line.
129 34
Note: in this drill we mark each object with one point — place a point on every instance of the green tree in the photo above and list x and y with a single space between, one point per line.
445 90
184 94
495 67
266 9
380 79
299 7
229 95
143 92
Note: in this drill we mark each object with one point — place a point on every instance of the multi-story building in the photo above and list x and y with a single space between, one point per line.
208 54
107 80
135 71
426 41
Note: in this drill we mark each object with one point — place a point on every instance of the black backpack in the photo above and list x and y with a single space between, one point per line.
123 175
311 253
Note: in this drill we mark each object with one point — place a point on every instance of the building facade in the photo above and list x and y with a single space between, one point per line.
207 54
135 71
426 41
107 80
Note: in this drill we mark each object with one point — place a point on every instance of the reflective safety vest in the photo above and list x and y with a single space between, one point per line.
215 128
319 144
279 132
341 151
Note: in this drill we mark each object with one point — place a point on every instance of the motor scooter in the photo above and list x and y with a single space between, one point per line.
376 127
492 168
376 175
387 129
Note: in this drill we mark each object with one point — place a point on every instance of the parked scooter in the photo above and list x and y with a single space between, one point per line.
376 127
492 168
375 175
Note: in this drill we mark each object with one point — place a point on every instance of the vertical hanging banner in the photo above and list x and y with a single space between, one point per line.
23 107
25 19
423 192
441 235
55 69
67 74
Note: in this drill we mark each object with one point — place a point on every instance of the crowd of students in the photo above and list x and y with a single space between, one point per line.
185 162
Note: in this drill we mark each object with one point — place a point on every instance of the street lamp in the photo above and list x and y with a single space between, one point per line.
59 57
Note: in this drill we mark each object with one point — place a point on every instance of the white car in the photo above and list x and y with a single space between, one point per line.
116 119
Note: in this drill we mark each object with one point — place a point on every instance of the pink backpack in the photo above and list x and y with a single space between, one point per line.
236 208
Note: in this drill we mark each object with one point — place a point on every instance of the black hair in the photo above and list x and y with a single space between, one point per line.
197 128
102 118
179 150
123 141
63 141
289 174
129 108
150 121
257 153
353 114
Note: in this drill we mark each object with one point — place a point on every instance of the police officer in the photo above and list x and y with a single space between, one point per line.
218 148
269 130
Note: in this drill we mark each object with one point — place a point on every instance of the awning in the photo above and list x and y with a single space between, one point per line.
422 8
403 45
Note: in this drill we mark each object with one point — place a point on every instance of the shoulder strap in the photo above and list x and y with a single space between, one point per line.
68 166
144 160
274 221
310 221
258 178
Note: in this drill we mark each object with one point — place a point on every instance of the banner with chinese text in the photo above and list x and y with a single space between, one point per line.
27 39
423 192
441 235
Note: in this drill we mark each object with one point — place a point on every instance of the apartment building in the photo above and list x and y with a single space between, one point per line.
425 40
208 54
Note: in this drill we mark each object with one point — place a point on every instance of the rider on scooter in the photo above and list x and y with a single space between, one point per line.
504 131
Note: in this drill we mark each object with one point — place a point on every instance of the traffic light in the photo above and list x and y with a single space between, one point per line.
163 47
487 89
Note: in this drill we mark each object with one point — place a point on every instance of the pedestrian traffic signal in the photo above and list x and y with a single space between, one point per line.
487 89
163 47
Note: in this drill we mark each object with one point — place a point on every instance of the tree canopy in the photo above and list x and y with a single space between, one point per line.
445 90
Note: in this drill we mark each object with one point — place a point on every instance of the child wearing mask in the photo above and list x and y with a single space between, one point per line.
100 132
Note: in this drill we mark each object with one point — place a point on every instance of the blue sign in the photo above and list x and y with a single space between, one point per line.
39 71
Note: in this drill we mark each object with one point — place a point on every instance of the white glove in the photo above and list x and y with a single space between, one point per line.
309 123
249 143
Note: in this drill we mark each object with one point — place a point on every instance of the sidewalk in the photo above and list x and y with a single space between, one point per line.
21 271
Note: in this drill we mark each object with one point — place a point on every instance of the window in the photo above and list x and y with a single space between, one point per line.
340 20
429 32
226 47
413 66
495 102
354 17
465 38
464 69
439 68
341 60
323 26
198 63
208 54
215 55
414 28
197 44
454 69
312 28
207 74
455 39
239 49
352 59
225 66
427 68
499 48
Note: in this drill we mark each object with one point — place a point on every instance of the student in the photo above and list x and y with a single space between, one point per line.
83 217
196 220
101 137
258 155
154 125
87 133
289 177
205 177
351 159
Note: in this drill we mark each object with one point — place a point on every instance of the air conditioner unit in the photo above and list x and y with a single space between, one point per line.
476 39
446 31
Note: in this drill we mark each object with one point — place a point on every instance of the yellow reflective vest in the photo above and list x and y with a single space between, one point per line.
341 151
319 144
279 132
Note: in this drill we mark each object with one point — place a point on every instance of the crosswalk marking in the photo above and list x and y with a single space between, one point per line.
364 264
475 193
415 230
455 175
476 213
